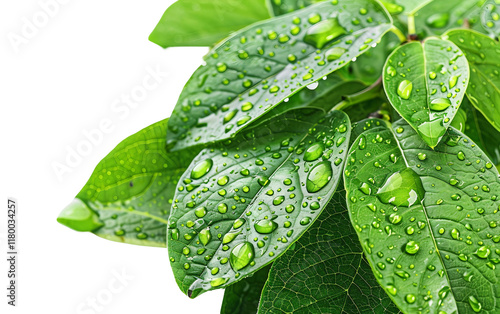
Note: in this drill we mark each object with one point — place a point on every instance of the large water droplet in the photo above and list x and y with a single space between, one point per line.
319 176
324 32
314 152
431 131
439 104
241 255
205 236
201 169
402 188
412 247
265 226
474 304
404 89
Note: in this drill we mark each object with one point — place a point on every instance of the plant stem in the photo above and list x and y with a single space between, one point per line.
411 25
396 31
371 92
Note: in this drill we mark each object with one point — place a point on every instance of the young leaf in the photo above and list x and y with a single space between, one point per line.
127 198
243 297
427 219
260 66
326 272
483 54
241 205
205 22
438 16
490 17
425 83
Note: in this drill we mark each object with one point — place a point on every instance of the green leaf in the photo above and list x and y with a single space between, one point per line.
425 83
482 132
483 54
326 272
241 205
439 16
427 219
281 7
262 65
408 7
127 198
243 297
490 17
205 22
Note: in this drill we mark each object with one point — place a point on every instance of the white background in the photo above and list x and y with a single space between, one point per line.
55 85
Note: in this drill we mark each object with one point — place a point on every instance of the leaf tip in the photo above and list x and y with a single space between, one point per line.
79 217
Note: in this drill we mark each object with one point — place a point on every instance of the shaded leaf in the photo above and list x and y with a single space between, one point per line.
425 83
205 22
483 54
490 17
127 198
281 7
427 219
326 272
241 205
243 297
260 66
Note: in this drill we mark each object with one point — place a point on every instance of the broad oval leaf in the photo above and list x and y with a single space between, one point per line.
483 54
129 195
205 22
325 272
490 17
262 65
427 219
425 83
243 297
241 205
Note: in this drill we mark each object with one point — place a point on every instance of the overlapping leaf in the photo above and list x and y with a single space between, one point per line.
262 65
326 272
243 297
426 82
490 17
241 205
128 197
483 54
205 22
427 219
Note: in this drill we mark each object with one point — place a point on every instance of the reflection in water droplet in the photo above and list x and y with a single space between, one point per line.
474 304
205 236
432 131
265 226
319 177
412 247
324 32
439 104
241 255
404 89
201 169
335 53
402 188
314 152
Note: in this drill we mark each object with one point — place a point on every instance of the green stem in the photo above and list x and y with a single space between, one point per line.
369 93
411 25
396 31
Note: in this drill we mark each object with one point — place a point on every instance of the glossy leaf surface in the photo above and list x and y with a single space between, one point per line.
325 272
281 7
483 54
243 297
128 197
205 22
427 219
405 6
262 65
241 205
425 83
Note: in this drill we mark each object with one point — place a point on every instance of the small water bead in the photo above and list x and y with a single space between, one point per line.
314 152
432 75
223 180
278 200
483 252
304 221
315 206
334 53
474 304
246 106
314 18
229 116
200 212
461 155
453 81
365 188
241 255
238 223
201 169
221 67
218 282
404 89
410 298
289 208
391 71
265 226
412 247
229 237
222 208
422 156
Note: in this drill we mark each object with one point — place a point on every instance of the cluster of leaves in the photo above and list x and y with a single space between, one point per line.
333 156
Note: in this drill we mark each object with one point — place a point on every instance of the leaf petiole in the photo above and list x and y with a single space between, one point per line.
371 92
